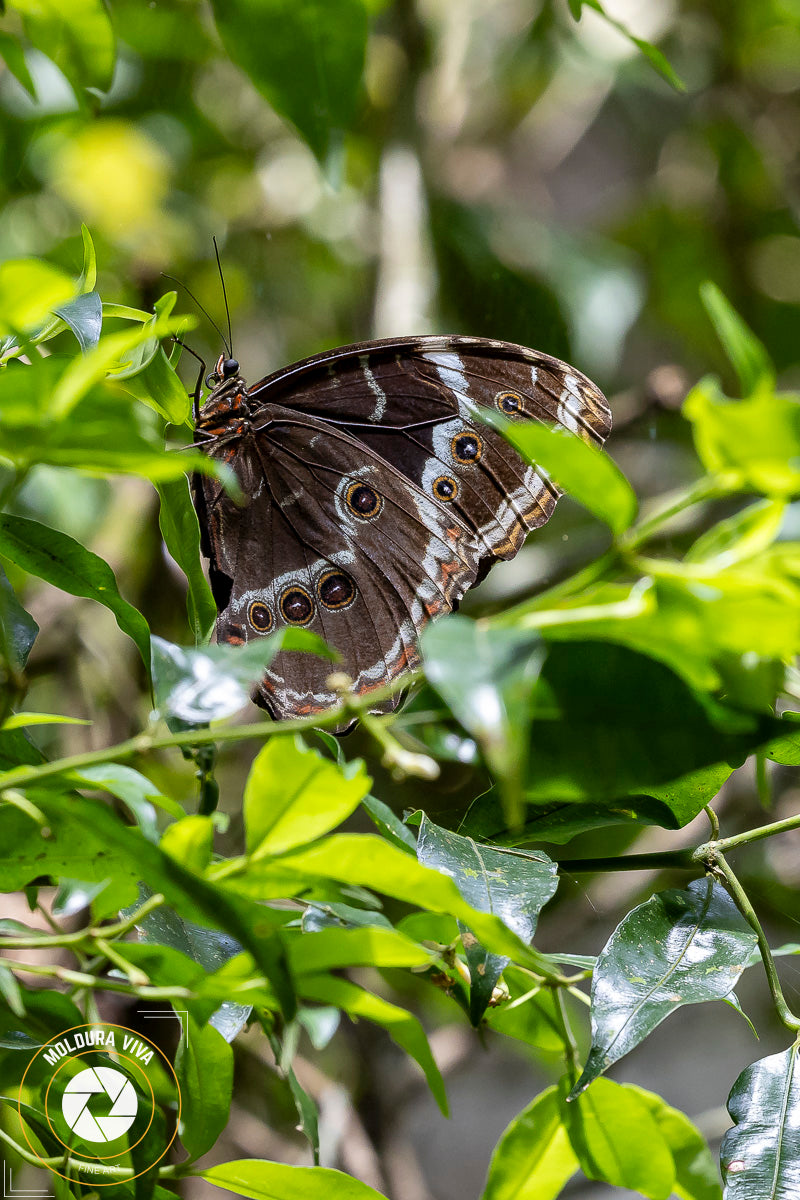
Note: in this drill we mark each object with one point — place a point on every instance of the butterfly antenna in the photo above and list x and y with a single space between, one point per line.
204 311
224 295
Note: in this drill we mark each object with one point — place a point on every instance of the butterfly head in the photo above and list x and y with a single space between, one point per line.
225 369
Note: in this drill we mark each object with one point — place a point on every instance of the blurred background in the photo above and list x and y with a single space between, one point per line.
511 173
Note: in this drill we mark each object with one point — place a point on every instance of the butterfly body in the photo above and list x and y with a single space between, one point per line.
376 496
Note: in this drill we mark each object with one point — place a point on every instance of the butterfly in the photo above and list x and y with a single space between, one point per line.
376 496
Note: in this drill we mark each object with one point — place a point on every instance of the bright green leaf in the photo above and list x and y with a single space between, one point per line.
747 354
204 1065
294 795
581 469
77 36
262 1180
533 1159
330 949
29 290
181 532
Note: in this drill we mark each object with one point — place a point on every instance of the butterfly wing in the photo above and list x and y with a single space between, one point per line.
376 497
416 402
333 539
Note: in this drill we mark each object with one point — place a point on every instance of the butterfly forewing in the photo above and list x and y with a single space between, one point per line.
376 496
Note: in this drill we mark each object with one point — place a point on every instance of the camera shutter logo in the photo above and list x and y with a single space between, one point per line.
103 1081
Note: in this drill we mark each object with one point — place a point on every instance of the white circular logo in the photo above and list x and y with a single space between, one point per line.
103 1080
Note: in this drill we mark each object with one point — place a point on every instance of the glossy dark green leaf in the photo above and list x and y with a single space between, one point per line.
617 1140
582 470
760 1156
66 564
533 1159
402 1027
670 805
84 316
755 442
261 1180
78 37
304 56
46 1014
747 354
679 947
198 685
204 1065
608 722
18 629
334 915
514 884
177 520
294 795
486 677
208 947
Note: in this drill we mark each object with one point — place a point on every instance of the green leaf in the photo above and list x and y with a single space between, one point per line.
679 947
754 443
294 795
66 564
365 860
216 906
514 884
305 56
740 537
760 1156
261 1180
18 629
581 469
696 1174
13 56
402 1027
748 356
390 824
84 316
198 685
533 1159
180 530
29 290
533 1019
10 990
331 949
78 37
653 55
190 841
204 1066
486 677
617 1140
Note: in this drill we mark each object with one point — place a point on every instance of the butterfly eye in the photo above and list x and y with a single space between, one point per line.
466 447
297 606
230 367
259 617
508 402
336 590
363 501
445 488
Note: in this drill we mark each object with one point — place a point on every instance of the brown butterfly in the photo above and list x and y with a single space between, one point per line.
375 496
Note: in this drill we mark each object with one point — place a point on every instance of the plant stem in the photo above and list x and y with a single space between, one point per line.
83 938
559 591
756 835
145 743
708 488
82 979
742 902
570 1045
677 860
